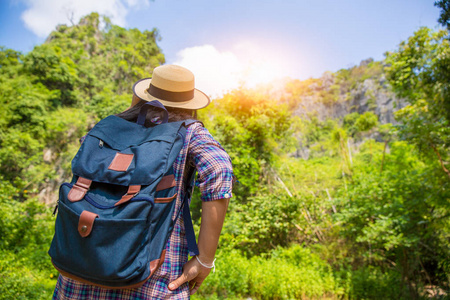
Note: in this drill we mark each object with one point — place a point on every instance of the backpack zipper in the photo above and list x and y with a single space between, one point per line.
93 203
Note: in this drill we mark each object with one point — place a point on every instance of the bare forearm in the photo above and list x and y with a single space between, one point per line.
213 216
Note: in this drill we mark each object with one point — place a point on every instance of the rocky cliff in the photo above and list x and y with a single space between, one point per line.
358 89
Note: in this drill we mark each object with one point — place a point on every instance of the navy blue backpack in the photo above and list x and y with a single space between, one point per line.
116 215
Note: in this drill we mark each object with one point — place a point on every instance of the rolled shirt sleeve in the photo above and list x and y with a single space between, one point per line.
213 164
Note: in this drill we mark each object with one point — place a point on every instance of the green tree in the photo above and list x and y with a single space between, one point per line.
50 97
398 218
444 18
419 71
253 130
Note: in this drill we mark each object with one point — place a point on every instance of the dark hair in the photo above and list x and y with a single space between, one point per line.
175 114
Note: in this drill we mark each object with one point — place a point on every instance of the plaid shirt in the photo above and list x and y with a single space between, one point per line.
215 178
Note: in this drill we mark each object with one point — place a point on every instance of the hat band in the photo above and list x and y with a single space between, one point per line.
170 96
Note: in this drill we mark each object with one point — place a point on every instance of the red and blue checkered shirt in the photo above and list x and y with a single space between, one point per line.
215 180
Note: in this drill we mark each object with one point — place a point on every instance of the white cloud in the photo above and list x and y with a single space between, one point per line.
217 72
42 16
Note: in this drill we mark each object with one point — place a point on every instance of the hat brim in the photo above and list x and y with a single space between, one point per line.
200 99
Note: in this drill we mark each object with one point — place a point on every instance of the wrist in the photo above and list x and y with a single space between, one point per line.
208 266
206 260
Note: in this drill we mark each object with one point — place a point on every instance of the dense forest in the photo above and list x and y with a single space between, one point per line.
343 181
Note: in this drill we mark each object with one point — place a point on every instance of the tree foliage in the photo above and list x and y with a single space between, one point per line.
444 18
253 130
334 207
50 97
420 72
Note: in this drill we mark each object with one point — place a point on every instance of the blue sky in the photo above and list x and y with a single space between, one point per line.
235 42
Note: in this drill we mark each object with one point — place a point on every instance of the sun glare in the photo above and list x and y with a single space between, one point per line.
261 65
244 65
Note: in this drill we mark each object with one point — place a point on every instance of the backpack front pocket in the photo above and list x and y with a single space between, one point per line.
113 250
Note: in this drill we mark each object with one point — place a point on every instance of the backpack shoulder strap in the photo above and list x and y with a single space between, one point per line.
188 226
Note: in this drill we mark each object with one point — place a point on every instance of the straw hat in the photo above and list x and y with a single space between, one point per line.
173 86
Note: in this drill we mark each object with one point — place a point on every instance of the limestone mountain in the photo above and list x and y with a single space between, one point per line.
359 89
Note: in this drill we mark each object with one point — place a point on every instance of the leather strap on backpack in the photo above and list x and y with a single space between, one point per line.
79 189
133 190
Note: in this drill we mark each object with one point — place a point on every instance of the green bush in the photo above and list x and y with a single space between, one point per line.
22 280
292 273
26 230
372 283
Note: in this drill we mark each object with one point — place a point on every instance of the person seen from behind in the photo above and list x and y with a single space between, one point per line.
177 277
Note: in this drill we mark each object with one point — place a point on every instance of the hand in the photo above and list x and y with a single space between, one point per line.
194 273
